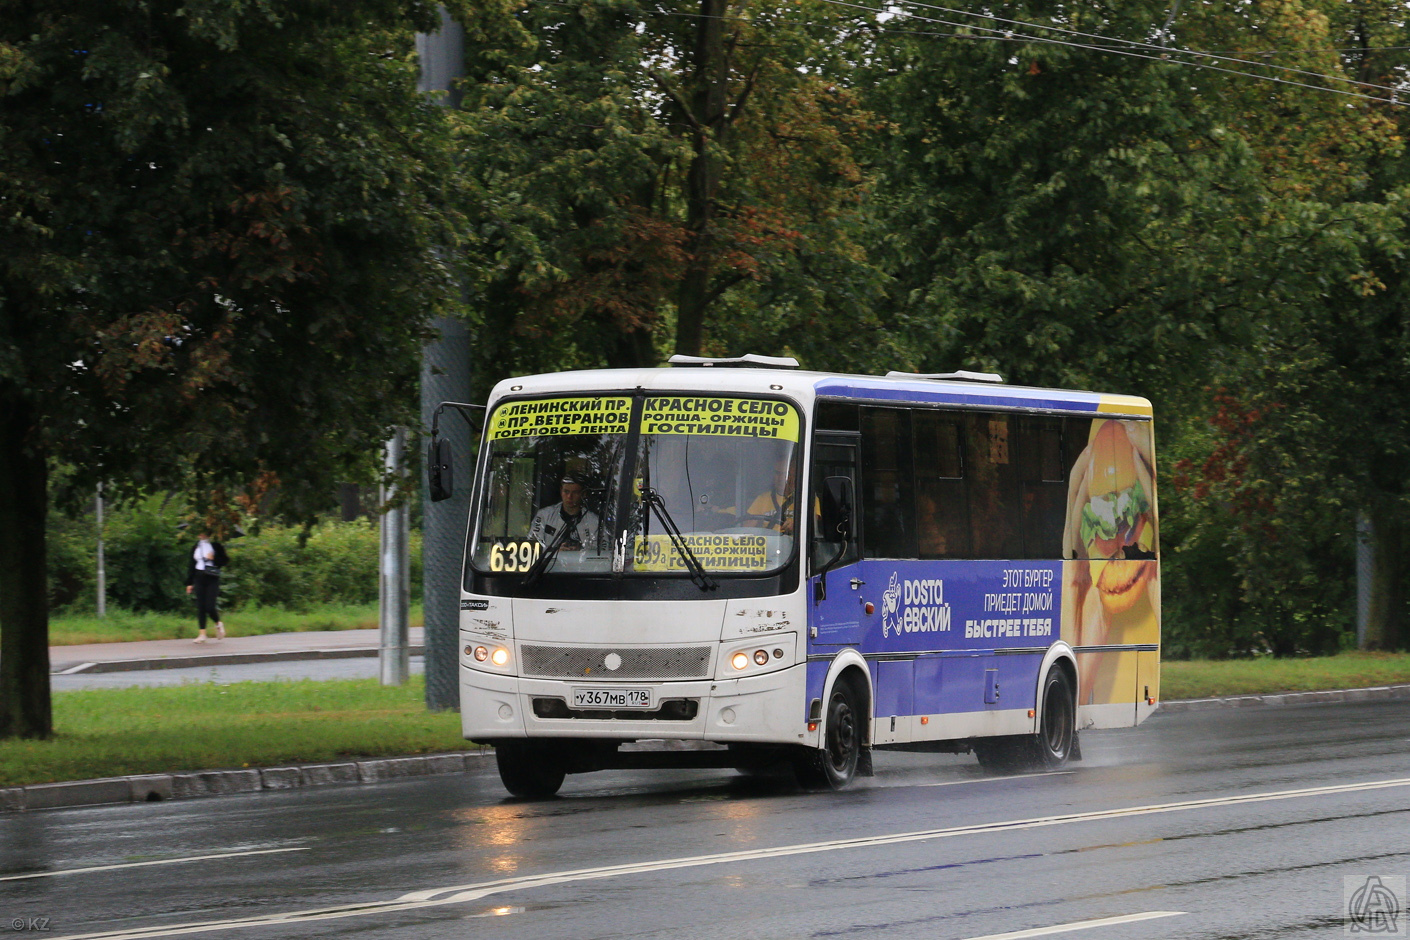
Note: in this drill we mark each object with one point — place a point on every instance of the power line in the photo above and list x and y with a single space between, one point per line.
1127 47
1118 50
1134 44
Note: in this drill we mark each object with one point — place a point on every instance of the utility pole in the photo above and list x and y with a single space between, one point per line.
1365 566
394 587
445 376
102 564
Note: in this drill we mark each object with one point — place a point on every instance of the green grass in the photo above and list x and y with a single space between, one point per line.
1353 670
115 732
121 626
203 726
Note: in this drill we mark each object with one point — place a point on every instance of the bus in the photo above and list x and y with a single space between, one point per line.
795 568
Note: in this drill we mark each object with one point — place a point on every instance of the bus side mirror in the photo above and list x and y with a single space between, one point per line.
837 500
440 470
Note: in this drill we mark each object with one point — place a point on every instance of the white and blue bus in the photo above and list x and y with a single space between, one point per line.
792 566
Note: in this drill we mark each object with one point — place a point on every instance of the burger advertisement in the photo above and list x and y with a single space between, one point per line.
1111 538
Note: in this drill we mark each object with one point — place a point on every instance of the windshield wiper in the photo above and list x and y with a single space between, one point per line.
692 564
550 551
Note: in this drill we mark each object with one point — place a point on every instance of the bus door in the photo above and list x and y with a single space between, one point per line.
834 615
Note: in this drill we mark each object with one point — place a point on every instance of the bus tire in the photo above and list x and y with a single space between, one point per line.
833 766
1050 746
529 769
1056 737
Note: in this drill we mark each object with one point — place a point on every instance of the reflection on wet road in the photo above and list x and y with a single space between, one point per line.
1243 823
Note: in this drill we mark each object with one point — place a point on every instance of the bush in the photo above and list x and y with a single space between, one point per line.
72 561
144 558
147 558
337 564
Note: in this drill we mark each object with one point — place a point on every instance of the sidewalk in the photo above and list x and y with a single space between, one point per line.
178 654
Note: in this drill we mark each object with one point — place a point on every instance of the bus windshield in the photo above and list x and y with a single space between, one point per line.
722 470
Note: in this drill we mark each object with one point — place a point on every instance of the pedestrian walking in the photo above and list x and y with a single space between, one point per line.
203 582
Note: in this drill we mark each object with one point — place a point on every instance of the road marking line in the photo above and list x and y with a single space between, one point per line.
1079 925
160 861
952 783
436 897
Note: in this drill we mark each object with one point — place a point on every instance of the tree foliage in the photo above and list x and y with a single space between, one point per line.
1065 215
218 259
643 167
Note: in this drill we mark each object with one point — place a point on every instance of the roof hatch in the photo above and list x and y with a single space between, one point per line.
960 376
749 361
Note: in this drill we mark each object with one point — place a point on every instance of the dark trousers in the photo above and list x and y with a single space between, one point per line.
206 588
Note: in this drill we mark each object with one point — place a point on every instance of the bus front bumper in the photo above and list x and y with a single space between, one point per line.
764 709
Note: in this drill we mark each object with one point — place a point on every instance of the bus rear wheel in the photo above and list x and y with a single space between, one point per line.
1048 748
833 766
1057 734
529 768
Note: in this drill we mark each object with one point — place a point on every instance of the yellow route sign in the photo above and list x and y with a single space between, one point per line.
716 553
720 417
554 416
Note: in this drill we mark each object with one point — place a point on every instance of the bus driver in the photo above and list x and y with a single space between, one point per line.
773 508
581 525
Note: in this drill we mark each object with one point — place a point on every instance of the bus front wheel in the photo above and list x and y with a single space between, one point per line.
833 766
529 768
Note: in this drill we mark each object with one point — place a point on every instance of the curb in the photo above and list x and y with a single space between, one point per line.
152 788
1375 693
216 659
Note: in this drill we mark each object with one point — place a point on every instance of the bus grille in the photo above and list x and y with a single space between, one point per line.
575 662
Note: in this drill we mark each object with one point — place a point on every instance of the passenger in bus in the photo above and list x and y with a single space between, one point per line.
568 523
773 508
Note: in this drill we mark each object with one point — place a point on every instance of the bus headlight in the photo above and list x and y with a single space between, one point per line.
761 657
739 660
500 656
481 654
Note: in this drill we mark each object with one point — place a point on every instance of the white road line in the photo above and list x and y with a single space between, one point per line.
953 783
458 894
1079 925
160 861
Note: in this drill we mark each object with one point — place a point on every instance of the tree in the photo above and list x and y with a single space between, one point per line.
1312 423
1071 216
216 260
1057 214
644 166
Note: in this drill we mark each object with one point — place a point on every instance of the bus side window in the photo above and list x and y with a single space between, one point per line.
1044 485
832 458
942 504
837 416
995 513
886 492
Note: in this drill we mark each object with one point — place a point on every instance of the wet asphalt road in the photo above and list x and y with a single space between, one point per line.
1192 813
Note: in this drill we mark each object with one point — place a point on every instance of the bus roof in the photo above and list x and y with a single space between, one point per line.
895 389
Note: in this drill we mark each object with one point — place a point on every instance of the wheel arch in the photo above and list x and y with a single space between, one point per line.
849 664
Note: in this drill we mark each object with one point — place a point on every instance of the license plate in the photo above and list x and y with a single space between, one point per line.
611 698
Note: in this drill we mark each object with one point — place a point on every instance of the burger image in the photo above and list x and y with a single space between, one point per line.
1117 524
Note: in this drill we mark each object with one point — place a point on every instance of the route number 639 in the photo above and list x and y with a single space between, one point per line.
510 557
